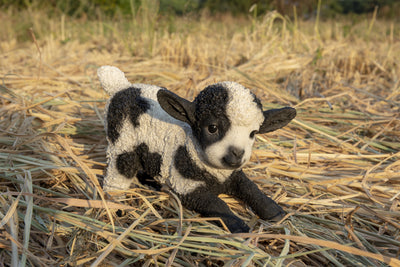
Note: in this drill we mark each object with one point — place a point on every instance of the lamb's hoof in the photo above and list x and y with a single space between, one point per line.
243 228
278 217
236 225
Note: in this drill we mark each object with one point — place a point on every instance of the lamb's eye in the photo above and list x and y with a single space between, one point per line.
212 129
253 133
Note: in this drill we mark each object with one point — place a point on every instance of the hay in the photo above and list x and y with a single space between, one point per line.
335 168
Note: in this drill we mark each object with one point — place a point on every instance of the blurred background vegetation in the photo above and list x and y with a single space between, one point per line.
305 9
86 19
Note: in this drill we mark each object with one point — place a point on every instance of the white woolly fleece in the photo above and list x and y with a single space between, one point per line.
242 110
163 134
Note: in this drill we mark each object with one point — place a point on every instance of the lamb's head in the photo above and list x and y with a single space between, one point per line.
225 117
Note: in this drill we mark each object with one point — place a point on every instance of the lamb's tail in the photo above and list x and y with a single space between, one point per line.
112 79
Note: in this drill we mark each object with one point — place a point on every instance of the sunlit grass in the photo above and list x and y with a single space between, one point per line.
335 168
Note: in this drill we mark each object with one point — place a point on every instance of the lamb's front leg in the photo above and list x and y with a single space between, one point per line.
243 188
210 205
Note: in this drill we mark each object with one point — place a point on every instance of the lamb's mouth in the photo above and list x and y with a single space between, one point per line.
232 163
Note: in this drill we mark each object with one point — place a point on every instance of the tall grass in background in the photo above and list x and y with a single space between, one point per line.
141 22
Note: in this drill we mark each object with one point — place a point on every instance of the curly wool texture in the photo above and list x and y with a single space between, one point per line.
240 105
243 107
207 99
163 134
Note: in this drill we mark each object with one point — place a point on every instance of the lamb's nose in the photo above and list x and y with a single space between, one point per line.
233 157
237 152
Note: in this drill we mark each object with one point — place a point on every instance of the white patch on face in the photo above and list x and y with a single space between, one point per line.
238 137
241 108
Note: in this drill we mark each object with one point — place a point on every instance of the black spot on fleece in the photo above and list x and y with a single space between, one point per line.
124 103
140 159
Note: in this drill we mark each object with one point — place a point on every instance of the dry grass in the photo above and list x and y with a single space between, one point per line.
335 168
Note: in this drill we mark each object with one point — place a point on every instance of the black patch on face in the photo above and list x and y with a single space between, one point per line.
211 111
140 159
127 102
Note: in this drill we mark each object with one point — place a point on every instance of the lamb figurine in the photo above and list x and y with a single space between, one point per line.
196 148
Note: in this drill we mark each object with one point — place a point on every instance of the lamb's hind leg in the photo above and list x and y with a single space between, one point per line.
147 179
121 171
140 163
151 166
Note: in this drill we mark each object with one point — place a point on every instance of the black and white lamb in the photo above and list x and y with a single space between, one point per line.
196 148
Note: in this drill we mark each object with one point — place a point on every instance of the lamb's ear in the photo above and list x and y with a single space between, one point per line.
275 119
176 106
